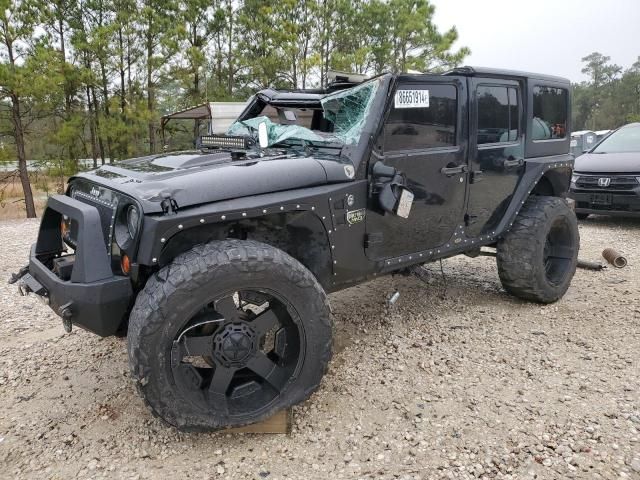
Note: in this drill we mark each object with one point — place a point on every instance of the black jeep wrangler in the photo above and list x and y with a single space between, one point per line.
216 263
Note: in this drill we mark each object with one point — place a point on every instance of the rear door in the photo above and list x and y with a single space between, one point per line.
496 151
424 137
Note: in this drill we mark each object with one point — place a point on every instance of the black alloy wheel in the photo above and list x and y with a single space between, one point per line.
227 334
238 353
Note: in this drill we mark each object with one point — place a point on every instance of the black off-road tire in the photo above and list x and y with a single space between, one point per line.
582 216
537 258
160 309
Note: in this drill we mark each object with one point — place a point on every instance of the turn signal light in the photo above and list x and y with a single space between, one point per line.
125 264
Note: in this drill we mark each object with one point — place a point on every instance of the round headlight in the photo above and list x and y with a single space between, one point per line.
133 220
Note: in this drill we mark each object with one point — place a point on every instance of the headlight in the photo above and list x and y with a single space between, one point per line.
574 178
133 220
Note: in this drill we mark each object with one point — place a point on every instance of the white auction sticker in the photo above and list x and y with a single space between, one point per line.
412 99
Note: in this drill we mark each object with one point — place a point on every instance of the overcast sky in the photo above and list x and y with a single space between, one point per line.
543 36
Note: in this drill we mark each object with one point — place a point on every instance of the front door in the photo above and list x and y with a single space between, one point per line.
496 151
424 137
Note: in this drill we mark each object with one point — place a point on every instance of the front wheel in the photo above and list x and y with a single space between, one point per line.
537 258
227 334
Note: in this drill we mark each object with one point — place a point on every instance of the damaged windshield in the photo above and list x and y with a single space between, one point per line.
337 118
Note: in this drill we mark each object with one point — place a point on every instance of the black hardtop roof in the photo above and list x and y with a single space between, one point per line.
315 95
468 71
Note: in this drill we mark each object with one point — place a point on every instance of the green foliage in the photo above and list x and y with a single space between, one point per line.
611 96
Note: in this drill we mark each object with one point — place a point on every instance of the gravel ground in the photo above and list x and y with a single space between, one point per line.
457 380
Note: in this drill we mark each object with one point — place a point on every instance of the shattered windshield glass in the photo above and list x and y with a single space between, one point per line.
276 133
344 114
348 110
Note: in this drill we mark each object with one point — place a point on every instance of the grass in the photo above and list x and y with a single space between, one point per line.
12 204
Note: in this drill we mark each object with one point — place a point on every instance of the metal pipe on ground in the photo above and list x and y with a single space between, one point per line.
614 258
590 265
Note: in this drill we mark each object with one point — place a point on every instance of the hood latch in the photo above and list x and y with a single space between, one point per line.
169 205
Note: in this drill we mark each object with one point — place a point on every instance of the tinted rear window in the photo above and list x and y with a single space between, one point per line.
550 105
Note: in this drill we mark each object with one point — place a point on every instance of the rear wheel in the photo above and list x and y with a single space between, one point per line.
582 216
537 258
228 334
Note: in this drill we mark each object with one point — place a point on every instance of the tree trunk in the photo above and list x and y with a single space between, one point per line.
229 51
129 81
195 43
150 93
92 129
219 54
123 102
105 96
18 135
96 109
150 107
305 54
18 131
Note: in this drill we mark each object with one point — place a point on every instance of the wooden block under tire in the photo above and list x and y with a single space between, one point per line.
279 423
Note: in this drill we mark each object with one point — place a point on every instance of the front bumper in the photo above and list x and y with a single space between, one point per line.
92 297
622 203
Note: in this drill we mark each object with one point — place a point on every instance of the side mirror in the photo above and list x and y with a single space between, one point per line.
263 136
396 199
393 196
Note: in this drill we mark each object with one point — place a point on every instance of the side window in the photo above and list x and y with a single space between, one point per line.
549 113
423 118
498 114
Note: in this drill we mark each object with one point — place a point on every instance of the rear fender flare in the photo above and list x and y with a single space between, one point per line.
552 169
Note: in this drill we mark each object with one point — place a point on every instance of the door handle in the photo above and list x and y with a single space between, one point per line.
454 170
513 162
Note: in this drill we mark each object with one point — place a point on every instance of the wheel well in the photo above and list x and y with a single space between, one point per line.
554 183
301 234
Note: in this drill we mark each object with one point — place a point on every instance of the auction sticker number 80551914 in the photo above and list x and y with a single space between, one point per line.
412 99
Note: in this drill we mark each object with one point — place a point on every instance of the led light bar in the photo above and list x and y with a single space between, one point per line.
225 141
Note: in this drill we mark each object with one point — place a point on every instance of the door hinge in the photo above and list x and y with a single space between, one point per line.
373 239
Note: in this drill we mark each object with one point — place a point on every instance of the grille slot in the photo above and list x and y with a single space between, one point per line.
618 182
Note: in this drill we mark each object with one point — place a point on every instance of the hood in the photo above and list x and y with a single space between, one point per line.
628 162
194 178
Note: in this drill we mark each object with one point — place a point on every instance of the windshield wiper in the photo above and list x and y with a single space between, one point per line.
306 143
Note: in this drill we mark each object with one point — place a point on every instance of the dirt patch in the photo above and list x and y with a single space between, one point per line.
461 381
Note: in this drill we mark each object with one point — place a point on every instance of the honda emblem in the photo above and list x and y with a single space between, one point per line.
604 182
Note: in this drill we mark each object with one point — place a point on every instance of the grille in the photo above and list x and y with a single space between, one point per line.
106 209
618 182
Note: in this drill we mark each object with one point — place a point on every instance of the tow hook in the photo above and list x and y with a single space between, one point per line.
66 314
17 276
